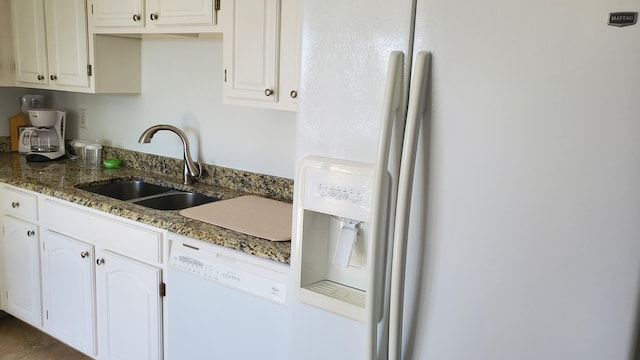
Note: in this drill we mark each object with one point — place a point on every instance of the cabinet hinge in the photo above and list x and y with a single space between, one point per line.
225 75
89 70
47 315
163 289
217 4
92 9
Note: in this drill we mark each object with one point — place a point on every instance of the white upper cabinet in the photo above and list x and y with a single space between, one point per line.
7 71
30 42
67 46
290 29
51 47
261 53
181 12
154 16
53 50
118 13
251 49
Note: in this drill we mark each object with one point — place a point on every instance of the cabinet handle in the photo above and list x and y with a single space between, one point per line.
136 17
268 92
100 261
53 77
40 77
84 254
15 204
293 94
30 233
153 16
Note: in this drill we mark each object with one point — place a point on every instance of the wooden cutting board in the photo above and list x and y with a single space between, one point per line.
15 122
252 215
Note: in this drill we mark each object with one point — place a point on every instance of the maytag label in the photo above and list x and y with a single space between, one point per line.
621 19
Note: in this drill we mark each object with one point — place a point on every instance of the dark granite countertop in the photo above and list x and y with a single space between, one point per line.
59 178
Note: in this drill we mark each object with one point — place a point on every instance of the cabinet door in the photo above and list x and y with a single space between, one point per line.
7 72
22 270
289 55
129 308
250 50
118 13
180 12
67 42
29 41
68 273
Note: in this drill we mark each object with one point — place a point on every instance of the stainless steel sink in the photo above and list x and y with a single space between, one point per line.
148 195
175 201
126 189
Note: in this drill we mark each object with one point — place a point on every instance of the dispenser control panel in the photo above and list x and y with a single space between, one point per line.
340 191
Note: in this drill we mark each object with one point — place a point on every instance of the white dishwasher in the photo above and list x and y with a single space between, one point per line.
224 304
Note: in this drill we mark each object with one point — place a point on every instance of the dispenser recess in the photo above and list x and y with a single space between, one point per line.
333 235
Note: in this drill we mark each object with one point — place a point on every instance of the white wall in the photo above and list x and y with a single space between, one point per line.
182 86
10 105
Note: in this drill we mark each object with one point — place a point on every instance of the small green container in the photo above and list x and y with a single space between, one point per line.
112 163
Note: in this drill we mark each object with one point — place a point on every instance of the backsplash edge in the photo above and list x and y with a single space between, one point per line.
273 187
269 186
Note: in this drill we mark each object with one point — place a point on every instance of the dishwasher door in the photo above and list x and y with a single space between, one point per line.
224 304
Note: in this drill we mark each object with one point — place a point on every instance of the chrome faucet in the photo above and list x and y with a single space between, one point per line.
192 169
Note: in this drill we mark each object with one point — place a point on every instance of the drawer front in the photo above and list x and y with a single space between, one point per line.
101 230
19 203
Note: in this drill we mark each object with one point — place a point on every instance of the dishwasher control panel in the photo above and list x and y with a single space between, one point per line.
230 270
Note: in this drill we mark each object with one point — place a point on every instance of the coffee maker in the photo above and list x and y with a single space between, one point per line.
47 138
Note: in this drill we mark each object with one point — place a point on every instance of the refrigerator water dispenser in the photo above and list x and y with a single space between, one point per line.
334 207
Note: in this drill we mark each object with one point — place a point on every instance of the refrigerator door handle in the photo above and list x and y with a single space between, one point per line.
417 100
391 106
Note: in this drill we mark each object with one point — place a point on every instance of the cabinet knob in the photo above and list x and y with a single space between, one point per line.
53 77
40 77
15 204
100 261
268 92
84 254
153 16
293 94
136 17
31 233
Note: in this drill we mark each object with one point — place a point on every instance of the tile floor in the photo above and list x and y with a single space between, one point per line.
20 341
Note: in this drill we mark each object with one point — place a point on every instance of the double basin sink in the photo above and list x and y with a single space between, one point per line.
149 195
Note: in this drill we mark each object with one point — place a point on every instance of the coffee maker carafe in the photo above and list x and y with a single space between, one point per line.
47 139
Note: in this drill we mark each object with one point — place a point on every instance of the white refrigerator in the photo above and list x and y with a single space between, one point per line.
524 227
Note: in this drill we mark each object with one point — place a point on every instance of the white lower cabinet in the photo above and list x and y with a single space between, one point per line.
90 279
125 271
126 300
68 295
129 308
22 270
